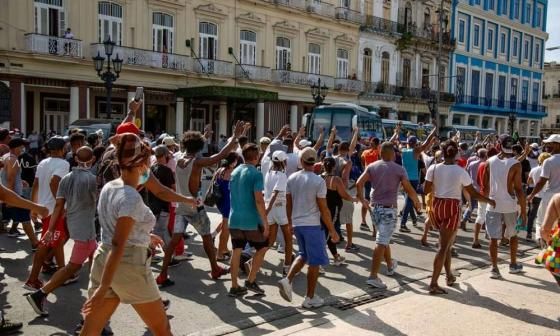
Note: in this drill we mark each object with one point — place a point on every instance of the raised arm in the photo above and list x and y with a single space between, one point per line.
133 108
239 129
320 140
330 143
396 133
298 137
426 144
355 135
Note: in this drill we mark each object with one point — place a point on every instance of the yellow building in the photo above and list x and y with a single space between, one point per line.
199 61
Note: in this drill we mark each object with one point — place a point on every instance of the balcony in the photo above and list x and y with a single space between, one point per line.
323 9
429 32
380 88
52 45
500 103
252 72
213 67
346 14
348 85
147 58
300 78
298 4
374 24
551 126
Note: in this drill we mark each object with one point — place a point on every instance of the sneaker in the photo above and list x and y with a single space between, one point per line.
454 253
314 302
352 248
184 256
254 287
237 291
495 274
515 268
173 263
219 273
14 234
285 270
322 270
339 260
280 249
166 303
404 229
73 279
364 227
391 271
37 302
476 245
285 288
376 283
7 327
33 286
415 223
162 283
107 330
49 269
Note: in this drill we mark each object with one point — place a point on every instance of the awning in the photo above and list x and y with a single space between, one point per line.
227 92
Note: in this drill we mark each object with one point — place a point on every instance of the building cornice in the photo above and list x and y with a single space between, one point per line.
212 11
493 60
251 18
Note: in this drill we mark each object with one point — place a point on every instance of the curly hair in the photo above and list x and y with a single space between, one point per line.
193 142
449 149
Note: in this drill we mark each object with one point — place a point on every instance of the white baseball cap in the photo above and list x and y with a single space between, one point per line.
305 143
535 145
553 138
279 156
169 141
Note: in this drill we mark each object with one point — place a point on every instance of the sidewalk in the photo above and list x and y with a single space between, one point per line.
525 304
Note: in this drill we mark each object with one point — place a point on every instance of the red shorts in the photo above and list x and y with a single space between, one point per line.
82 250
446 213
60 233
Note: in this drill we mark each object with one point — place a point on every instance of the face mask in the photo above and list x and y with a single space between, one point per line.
144 177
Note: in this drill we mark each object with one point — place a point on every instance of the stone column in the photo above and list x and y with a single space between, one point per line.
414 117
294 117
74 104
493 123
223 119
179 116
23 110
16 90
259 118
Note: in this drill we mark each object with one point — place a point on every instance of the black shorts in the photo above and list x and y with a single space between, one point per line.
18 215
240 238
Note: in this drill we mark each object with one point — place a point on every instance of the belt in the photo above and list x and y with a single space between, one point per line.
384 206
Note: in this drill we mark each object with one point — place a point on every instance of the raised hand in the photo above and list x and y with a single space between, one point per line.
238 129
135 106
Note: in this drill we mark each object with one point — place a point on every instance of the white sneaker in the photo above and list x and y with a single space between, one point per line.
314 302
376 282
321 270
339 261
280 248
285 289
391 271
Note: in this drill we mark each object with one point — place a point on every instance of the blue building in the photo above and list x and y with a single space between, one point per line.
497 65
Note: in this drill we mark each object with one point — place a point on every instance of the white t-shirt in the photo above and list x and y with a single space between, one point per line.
551 171
449 180
535 175
266 164
275 181
46 170
305 187
292 164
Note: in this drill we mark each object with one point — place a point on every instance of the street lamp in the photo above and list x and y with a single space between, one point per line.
512 119
319 93
111 74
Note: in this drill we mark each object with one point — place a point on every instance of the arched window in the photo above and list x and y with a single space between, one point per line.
385 60
314 59
342 63
110 17
49 17
162 28
283 53
248 47
208 40
366 71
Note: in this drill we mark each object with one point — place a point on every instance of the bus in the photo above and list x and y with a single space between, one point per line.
468 133
343 116
420 130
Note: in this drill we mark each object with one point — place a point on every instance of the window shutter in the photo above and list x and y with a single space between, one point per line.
62 22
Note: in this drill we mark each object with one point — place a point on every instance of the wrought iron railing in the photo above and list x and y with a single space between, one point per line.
300 4
348 85
374 24
346 14
53 45
252 72
213 67
148 58
300 78
320 8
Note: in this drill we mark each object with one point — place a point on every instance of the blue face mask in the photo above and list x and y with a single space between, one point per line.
144 177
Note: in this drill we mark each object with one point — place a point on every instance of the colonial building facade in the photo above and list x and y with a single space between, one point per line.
551 98
497 65
201 62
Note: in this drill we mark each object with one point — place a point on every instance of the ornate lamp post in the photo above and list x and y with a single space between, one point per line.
111 73
512 119
319 93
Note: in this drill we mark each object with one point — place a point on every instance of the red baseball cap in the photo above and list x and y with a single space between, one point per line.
128 127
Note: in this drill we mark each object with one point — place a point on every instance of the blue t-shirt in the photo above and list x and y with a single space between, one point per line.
245 181
410 164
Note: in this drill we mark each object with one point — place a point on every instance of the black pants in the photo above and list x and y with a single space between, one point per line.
532 215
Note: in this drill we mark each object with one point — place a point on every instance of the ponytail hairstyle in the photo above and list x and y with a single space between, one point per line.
449 149
231 158
329 164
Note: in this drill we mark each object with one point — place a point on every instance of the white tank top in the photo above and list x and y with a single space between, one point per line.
499 171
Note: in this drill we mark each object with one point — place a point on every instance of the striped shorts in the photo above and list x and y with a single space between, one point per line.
446 213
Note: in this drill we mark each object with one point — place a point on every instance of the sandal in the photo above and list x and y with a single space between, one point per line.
224 257
424 243
451 280
437 290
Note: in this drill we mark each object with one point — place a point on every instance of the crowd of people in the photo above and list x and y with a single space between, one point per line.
124 202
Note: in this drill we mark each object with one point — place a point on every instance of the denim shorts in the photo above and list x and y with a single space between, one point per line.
494 221
312 245
385 220
197 218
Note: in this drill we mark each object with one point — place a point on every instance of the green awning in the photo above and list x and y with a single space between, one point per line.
227 92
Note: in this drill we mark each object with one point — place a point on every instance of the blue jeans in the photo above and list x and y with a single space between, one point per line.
409 206
467 214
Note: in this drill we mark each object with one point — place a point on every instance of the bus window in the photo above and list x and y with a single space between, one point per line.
342 119
321 120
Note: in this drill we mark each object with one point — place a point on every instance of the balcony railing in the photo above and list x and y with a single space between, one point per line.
428 32
374 24
252 72
346 14
213 67
300 4
300 78
375 88
551 126
424 94
348 85
320 8
148 58
501 103
44 44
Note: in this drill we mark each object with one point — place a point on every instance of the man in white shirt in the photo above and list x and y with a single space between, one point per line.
49 173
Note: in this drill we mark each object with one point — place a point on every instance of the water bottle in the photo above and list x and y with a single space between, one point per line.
200 202
519 226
